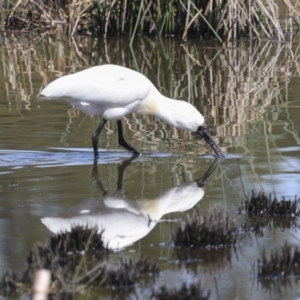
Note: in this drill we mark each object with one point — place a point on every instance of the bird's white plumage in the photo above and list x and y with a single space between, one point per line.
107 84
126 220
115 91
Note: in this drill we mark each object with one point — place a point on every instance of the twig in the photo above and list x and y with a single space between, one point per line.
190 23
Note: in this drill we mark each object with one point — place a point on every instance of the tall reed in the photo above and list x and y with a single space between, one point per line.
225 20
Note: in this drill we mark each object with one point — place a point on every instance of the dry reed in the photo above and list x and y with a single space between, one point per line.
224 20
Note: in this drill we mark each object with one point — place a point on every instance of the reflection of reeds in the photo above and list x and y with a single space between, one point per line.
232 88
211 261
192 291
206 18
282 263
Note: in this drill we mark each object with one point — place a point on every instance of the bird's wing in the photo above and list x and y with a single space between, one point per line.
112 86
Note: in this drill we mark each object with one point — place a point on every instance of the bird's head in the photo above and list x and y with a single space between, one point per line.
185 116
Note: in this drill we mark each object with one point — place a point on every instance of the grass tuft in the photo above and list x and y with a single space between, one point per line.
261 204
224 20
211 228
185 292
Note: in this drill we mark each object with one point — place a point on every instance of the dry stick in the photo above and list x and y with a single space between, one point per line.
42 9
249 21
70 19
191 57
267 25
263 8
249 17
289 23
106 51
208 24
124 15
235 20
190 23
262 26
90 272
291 7
222 19
107 18
14 9
146 10
275 19
79 16
230 17
187 14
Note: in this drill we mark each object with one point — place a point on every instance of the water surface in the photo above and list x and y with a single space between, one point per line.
249 97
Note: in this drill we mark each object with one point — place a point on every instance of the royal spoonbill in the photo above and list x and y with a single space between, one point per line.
118 91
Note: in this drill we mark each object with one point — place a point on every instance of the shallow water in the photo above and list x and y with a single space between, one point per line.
249 97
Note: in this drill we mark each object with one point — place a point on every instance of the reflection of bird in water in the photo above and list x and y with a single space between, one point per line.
125 220
115 91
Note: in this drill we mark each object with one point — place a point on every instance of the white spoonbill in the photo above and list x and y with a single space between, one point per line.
119 91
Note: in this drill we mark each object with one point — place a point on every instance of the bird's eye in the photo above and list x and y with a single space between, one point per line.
201 128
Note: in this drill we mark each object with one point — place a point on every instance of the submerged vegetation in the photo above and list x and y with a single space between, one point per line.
210 228
224 20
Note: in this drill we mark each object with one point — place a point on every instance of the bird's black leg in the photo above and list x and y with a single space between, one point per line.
122 141
95 137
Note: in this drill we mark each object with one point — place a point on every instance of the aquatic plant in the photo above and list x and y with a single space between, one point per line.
261 204
210 228
266 211
257 224
205 18
185 292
